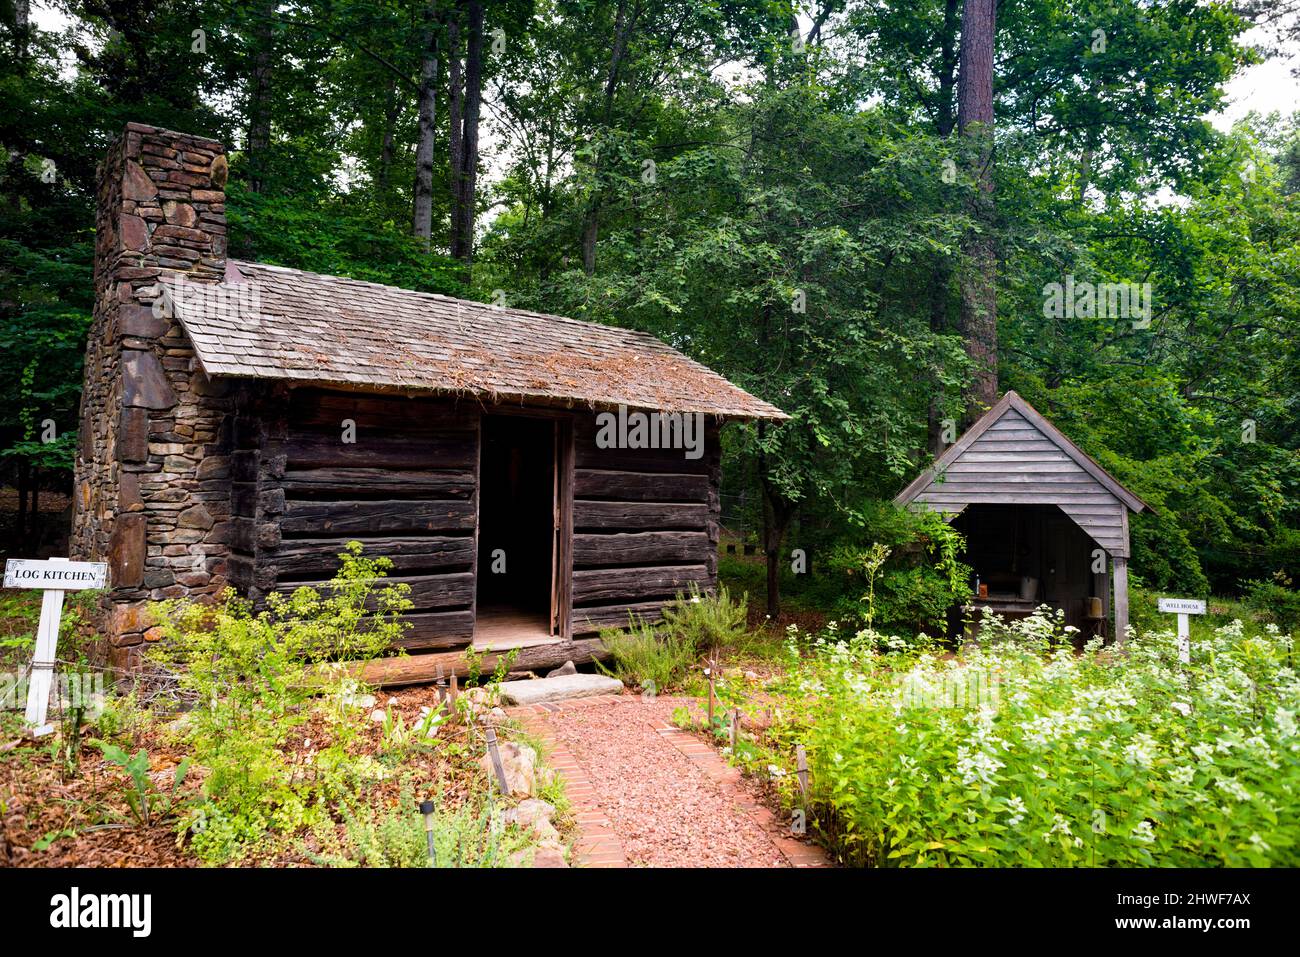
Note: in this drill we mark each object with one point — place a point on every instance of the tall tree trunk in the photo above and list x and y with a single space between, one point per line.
618 51
387 147
18 156
777 512
463 241
977 320
456 121
941 271
259 106
20 527
422 212
35 522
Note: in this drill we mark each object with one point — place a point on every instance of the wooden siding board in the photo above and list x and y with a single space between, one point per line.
589 514
307 558
373 517
640 486
641 548
604 585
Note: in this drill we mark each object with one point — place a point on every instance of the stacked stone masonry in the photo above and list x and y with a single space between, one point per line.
152 475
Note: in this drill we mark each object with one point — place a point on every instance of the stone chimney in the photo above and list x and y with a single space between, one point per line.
150 499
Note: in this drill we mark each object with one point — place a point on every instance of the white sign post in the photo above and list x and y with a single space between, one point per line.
54 576
1182 607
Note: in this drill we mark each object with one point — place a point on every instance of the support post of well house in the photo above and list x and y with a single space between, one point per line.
1121 599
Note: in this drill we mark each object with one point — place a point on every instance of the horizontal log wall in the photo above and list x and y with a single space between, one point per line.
406 488
645 527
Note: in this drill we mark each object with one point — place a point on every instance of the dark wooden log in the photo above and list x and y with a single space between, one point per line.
423 668
439 450
427 592
659 461
350 482
438 629
611 585
641 486
319 557
587 620
640 548
312 407
320 518
648 515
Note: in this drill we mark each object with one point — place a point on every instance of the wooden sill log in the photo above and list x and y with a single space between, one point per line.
424 668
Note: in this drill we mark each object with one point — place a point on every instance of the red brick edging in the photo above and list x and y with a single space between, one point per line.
598 844
728 779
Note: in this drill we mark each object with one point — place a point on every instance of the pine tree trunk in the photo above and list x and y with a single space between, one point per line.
456 121
259 107
977 320
463 243
422 216
941 271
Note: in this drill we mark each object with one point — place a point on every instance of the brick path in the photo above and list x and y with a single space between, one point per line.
599 843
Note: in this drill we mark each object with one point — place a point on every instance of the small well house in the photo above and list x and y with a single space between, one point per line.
533 478
1044 523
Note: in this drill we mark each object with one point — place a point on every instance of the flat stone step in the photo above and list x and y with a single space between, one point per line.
538 690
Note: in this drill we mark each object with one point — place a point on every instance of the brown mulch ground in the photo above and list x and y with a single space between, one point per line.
665 809
85 820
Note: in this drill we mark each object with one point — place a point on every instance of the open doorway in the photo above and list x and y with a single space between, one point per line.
516 533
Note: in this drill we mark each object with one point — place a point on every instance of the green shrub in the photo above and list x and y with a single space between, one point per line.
706 622
256 677
644 658
913 589
395 837
1275 600
1014 755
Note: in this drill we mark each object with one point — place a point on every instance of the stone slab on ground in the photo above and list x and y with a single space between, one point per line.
539 690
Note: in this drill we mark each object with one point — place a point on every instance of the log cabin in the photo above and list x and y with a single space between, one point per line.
1041 519
532 478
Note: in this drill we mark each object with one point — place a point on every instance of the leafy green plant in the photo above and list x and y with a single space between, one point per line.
707 622
644 658
1275 600
468 836
144 800
1021 752
256 677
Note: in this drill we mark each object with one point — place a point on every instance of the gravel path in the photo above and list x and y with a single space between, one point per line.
665 809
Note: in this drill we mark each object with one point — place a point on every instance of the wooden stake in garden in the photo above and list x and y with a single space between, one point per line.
801 765
1182 607
735 727
713 664
497 766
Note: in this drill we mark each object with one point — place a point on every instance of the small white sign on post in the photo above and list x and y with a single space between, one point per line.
54 576
1182 607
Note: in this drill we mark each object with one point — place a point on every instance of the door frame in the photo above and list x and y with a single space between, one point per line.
561 615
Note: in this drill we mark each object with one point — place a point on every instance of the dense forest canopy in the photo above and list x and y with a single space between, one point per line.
868 212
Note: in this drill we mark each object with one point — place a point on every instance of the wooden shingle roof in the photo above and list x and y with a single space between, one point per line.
1014 456
327 330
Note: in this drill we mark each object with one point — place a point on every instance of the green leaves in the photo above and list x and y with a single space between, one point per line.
1065 760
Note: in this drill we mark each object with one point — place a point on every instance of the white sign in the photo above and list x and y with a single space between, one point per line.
55 576
55 573
1182 606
